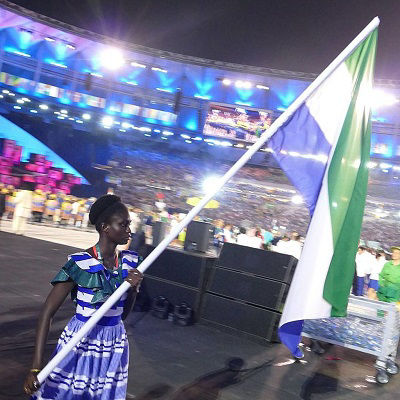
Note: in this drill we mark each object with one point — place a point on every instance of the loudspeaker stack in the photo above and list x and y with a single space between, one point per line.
247 289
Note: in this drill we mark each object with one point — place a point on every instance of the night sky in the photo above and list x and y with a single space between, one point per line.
297 35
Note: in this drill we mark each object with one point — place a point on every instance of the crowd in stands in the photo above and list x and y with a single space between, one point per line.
255 203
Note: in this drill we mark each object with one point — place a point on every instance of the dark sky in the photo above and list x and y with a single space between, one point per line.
297 35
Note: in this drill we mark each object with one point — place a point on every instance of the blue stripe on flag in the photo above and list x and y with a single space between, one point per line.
290 335
302 134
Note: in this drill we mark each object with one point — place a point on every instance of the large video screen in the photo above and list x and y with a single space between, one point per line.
236 123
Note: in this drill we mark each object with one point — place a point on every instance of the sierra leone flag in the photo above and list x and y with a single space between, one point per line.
324 150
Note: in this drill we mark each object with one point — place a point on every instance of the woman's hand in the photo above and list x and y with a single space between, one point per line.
31 384
134 277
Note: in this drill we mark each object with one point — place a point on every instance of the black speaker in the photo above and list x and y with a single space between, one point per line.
159 232
262 292
175 293
181 267
238 316
197 236
267 264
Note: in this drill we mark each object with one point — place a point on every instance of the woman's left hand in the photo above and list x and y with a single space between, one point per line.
134 277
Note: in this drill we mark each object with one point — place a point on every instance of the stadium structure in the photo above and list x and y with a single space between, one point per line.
72 95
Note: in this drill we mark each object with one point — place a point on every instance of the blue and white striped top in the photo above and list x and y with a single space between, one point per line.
95 283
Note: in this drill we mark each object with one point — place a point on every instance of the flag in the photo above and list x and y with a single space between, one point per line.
324 149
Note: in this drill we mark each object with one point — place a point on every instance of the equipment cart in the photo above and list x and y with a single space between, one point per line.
371 327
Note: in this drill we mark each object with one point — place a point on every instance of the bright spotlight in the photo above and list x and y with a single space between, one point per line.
210 183
382 99
107 121
226 82
296 199
86 116
43 106
112 58
371 164
63 111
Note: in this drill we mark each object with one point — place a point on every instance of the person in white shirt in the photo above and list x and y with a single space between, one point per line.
377 266
228 234
23 209
294 246
243 239
364 263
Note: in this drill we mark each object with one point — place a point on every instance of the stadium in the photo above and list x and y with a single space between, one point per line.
82 114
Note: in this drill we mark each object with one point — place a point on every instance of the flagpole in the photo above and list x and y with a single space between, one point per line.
87 327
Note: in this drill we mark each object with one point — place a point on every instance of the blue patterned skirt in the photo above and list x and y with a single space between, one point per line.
96 369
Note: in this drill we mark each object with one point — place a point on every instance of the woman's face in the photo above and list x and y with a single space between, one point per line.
117 229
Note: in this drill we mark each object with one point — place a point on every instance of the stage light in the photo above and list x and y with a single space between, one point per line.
371 164
226 82
55 63
296 199
262 87
86 116
78 121
71 119
382 99
34 111
185 136
157 130
43 106
126 125
147 134
49 39
112 58
164 71
61 117
135 64
63 111
188 141
164 138
70 46
203 97
11 94
122 130
5 91
243 84
133 83
25 99
20 101
243 103
17 107
96 74
164 90
197 138
1 96
107 121
167 133
210 183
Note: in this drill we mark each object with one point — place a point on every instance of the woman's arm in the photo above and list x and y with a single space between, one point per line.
134 278
53 302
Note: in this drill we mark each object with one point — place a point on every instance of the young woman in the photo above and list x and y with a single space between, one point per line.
97 368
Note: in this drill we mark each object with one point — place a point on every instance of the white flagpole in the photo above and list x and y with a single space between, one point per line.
87 327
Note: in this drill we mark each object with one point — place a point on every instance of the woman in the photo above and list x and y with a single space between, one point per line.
97 368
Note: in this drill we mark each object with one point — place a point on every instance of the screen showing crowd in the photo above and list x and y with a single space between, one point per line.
236 123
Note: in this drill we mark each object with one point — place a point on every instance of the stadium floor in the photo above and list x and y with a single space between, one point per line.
167 361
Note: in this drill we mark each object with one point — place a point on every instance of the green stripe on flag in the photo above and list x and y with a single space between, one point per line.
348 178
